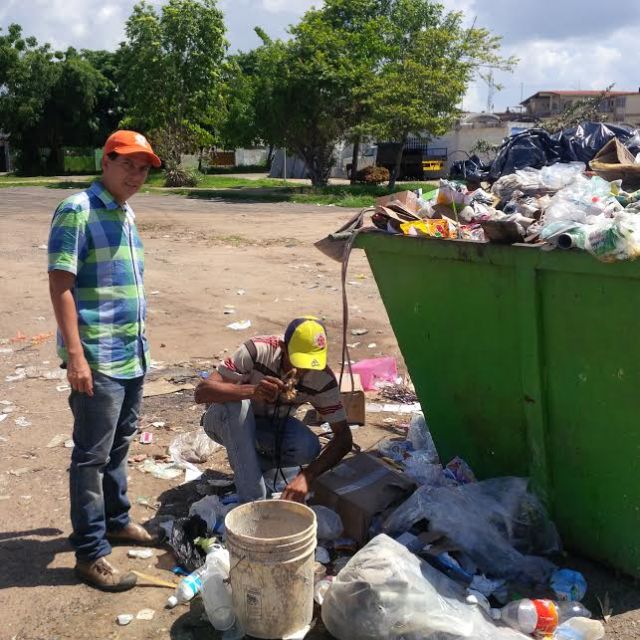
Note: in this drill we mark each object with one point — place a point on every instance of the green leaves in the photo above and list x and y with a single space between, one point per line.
171 69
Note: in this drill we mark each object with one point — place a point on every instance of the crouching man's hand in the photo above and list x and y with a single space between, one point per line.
297 489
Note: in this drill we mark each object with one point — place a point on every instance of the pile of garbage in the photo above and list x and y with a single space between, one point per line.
536 148
560 206
407 548
561 191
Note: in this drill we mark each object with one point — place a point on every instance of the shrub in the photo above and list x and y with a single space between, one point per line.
178 176
372 175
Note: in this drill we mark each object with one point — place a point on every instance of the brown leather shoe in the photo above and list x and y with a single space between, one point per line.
132 534
103 575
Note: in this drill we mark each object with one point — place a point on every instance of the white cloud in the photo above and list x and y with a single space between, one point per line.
290 6
577 46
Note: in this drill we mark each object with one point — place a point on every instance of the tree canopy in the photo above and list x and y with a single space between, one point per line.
351 69
171 68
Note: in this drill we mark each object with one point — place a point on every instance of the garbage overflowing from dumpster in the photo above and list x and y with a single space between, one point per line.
393 545
569 194
559 206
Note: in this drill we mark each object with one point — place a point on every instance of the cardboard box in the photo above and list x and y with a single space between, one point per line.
358 489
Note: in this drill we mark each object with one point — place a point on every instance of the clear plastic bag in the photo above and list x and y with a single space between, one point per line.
193 447
532 182
387 593
614 239
418 467
421 439
498 523
452 193
581 200
330 524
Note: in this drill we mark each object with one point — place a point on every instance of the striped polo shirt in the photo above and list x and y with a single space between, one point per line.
96 239
262 356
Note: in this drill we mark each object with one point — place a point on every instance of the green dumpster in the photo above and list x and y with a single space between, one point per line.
527 362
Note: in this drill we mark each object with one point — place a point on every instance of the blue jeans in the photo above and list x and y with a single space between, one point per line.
104 425
251 444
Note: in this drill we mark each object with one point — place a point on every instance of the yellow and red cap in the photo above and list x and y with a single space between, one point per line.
306 342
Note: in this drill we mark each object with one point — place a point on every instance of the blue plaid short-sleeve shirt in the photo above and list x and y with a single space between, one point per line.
96 239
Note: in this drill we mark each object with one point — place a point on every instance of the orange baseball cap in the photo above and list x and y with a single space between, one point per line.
127 142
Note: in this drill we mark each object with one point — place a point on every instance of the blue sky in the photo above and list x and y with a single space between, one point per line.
566 44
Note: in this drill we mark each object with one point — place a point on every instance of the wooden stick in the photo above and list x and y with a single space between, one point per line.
156 581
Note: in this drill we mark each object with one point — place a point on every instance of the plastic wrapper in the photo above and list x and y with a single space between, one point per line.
459 471
498 523
433 228
387 593
472 233
396 450
330 525
194 447
569 585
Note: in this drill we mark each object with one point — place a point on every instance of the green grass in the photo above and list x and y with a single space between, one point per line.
221 182
46 181
356 196
243 189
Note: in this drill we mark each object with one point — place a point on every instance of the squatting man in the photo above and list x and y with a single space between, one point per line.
252 396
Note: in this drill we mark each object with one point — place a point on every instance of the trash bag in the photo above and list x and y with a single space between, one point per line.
387 593
498 523
182 541
537 148
583 142
470 170
531 148
330 525
212 511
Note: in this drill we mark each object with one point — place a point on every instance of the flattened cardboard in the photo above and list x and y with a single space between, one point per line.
358 489
406 200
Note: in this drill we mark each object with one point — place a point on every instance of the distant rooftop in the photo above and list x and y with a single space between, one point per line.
584 94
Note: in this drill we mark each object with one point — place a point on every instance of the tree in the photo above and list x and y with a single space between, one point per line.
350 30
27 73
171 72
304 94
47 100
109 109
430 59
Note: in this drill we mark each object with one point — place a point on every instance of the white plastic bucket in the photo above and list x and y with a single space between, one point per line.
272 545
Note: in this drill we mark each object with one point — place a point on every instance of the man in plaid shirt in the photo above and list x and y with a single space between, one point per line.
96 266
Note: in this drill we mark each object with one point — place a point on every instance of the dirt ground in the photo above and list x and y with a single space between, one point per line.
200 256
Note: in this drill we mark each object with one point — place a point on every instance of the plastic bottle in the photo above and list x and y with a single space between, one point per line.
189 587
539 616
580 629
216 591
